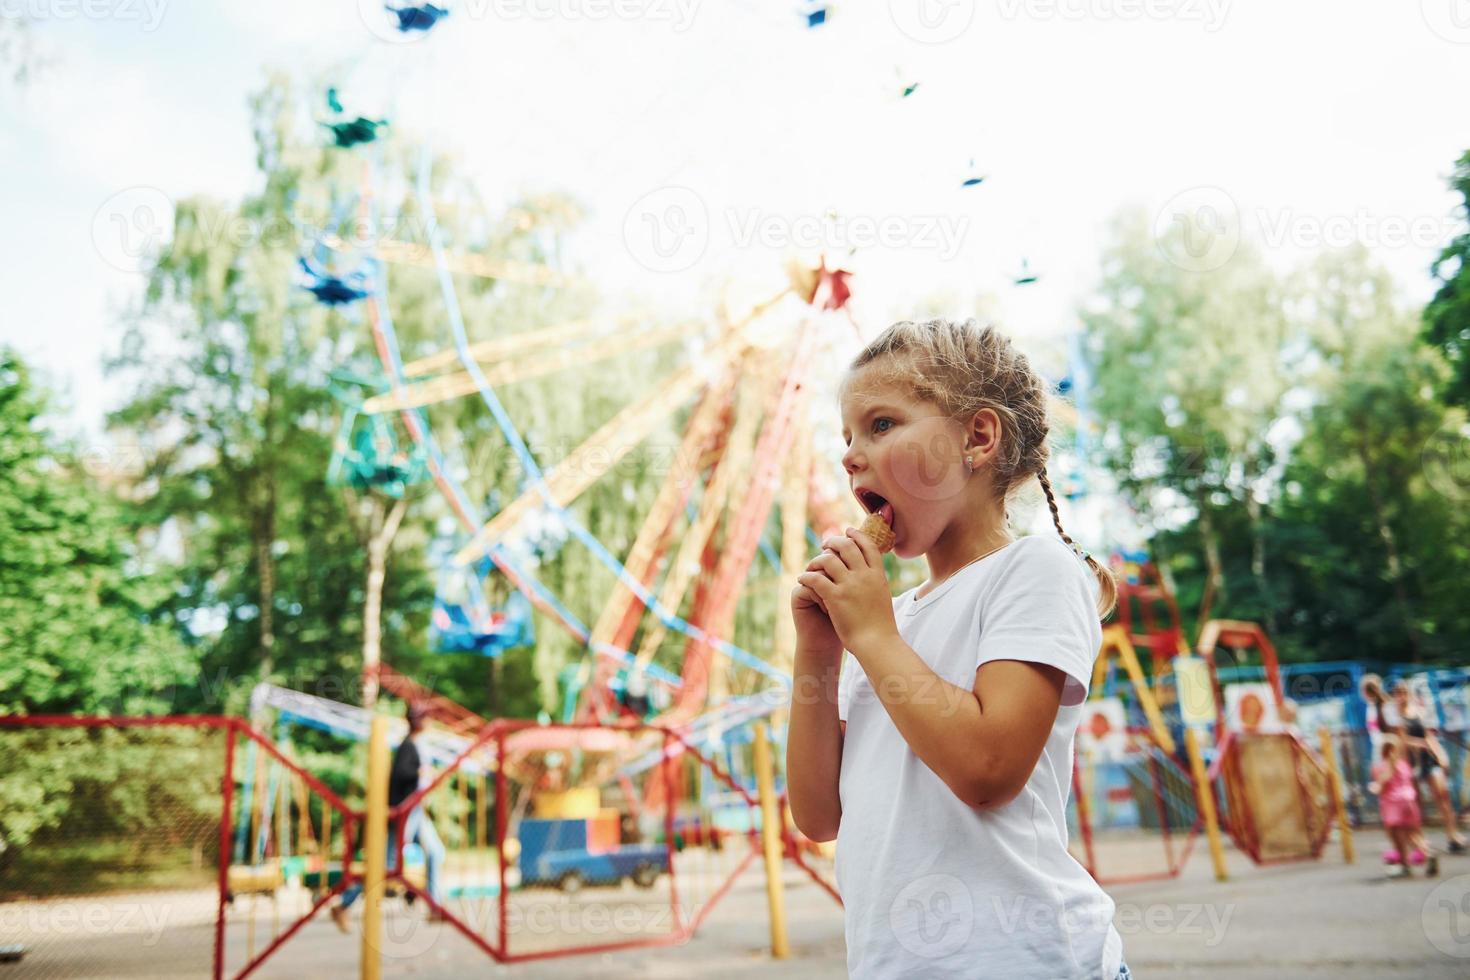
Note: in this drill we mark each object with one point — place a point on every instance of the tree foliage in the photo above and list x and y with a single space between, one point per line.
78 630
1282 421
1447 320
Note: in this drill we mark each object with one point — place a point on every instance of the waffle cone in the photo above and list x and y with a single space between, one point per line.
875 527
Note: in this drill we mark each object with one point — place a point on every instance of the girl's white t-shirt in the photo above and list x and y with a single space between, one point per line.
935 888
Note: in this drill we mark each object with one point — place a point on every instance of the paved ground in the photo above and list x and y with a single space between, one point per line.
1311 920
1316 919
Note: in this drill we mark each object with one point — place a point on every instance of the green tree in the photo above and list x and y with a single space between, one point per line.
230 360
1447 319
1376 411
78 631
1372 547
1190 372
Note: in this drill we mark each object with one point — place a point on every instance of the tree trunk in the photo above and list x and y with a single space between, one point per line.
493 680
265 559
1391 547
381 531
265 540
1258 559
1214 576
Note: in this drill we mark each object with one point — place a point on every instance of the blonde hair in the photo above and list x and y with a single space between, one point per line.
964 368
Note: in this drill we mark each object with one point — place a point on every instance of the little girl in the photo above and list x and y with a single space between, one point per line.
1398 803
938 751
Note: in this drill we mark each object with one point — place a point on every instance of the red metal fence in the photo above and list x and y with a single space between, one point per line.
144 847
196 846
640 859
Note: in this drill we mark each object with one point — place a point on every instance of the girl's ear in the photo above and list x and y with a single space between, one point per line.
984 435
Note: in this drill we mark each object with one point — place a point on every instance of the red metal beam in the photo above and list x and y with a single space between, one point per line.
227 797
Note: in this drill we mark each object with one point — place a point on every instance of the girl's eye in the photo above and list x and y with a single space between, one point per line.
877 422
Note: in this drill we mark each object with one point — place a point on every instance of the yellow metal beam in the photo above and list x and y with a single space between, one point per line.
609 444
771 841
467 263
1116 643
459 384
501 347
682 475
375 849
735 466
1206 801
794 548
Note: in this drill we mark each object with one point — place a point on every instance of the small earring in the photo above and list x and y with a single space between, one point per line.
970 463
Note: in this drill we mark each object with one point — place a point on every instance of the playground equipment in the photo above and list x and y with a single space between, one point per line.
1147 612
1134 812
1276 792
1276 788
1117 645
1275 796
1133 802
1240 637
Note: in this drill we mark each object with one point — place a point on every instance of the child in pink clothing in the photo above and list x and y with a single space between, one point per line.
1398 802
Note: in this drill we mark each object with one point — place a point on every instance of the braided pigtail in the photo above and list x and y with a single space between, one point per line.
1107 597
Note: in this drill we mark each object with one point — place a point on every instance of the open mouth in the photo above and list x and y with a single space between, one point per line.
876 504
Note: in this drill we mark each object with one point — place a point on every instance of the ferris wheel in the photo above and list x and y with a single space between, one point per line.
739 397
744 447
747 486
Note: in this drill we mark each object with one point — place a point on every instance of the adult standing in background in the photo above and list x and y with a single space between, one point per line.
405 777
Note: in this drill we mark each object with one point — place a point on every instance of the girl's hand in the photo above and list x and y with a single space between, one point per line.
814 630
849 580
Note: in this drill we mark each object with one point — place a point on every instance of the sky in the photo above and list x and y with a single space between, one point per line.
711 139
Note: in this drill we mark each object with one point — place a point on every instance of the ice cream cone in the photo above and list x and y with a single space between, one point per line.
875 527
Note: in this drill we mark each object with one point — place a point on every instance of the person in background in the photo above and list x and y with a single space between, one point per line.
1427 757
1398 802
635 694
405 777
1371 689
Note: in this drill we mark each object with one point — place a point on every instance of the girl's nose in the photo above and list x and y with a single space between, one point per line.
849 459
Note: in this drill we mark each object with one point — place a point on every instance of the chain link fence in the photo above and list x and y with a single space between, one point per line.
109 848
